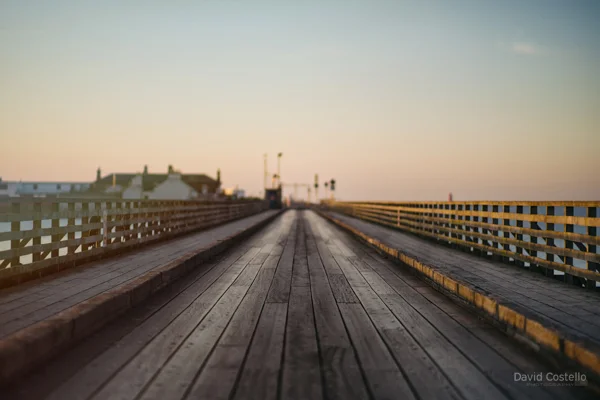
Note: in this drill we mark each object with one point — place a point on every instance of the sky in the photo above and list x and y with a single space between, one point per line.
395 100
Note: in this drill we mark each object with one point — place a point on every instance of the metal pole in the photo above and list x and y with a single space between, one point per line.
317 188
105 227
266 174
279 167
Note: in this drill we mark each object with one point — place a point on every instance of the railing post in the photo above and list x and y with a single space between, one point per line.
520 263
71 224
550 241
15 226
55 226
117 218
450 223
37 225
454 224
98 212
105 227
484 231
533 210
495 222
476 250
569 212
85 220
506 210
109 219
468 228
427 212
592 212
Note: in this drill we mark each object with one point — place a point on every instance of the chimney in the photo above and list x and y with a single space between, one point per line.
450 196
98 174
145 170
114 180
219 176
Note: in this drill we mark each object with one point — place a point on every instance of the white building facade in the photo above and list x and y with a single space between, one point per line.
40 189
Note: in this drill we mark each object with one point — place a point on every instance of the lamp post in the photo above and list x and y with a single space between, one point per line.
317 188
332 187
266 174
279 167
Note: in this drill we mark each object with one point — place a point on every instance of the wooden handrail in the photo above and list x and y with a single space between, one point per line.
510 231
39 232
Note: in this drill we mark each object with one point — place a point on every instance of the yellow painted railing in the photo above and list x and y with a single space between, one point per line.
555 236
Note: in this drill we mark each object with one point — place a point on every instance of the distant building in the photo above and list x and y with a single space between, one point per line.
273 196
7 189
234 193
170 186
40 189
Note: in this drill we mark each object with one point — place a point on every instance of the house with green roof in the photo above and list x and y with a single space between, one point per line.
173 185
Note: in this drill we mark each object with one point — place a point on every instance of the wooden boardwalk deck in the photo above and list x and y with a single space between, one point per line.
567 309
299 311
27 304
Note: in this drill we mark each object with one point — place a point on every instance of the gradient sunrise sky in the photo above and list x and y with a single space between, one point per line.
396 100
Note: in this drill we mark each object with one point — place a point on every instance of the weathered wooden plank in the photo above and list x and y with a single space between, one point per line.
466 378
280 289
354 277
428 381
331 267
178 374
582 273
423 250
341 372
342 291
451 335
71 293
480 273
359 264
139 371
300 268
301 377
521 358
435 335
382 373
260 374
91 378
259 259
218 377
484 238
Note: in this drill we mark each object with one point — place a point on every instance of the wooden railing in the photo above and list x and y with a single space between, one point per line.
557 238
37 233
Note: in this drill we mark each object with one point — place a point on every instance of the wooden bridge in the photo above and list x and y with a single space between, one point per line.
182 300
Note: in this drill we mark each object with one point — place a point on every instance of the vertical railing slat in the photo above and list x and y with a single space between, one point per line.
592 212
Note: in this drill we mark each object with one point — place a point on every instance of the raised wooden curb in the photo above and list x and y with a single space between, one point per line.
536 333
27 349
